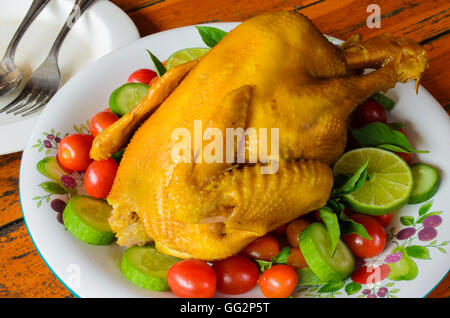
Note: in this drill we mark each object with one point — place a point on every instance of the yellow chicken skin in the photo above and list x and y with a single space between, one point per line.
272 71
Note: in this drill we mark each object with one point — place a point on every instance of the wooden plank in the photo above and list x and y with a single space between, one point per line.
9 183
22 271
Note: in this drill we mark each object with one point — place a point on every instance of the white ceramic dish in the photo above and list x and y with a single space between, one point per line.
93 271
102 29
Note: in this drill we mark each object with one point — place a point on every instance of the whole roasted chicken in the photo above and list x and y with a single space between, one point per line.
272 71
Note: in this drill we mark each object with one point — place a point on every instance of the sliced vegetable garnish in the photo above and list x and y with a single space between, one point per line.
159 66
384 101
185 55
87 219
425 183
124 98
316 247
389 186
210 35
146 267
382 136
306 277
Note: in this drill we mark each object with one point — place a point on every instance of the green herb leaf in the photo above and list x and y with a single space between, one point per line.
159 66
331 222
332 287
392 148
396 125
352 288
407 220
384 101
263 265
425 208
417 251
349 226
210 35
306 277
354 182
379 134
281 257
118 155
52 187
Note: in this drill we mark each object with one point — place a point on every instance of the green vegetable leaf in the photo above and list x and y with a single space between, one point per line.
352 288
417 251
263 265
306 277
349 226
379 134
354 182
384 101
425 208
396 125
210 35
423 217
332 287
159 66
407 220
281 257
52 187
331 222
118 155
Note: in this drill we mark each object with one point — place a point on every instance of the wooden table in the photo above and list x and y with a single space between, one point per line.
22 271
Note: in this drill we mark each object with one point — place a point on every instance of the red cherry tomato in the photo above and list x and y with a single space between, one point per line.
385 219
100 121
144 75
279 281
192 279
236 275
370 274
99 177
362 247
263 248
73 152
293 230
296 259
370 112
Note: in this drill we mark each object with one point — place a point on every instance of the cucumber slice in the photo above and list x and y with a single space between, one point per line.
87 219
124 98
425 183
316 248
146 267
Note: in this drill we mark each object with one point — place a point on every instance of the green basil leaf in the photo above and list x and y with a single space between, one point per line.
117 156
396 125
263 265
407 220
159 66
384 101
376 134
281 257
331 287
331 222
354 182
352 288
417 251
210 35
425 208
52 187
306 277
349 226
392 148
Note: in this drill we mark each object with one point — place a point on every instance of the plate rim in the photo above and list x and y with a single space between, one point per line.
220 24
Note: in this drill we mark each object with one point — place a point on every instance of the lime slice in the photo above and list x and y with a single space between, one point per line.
146 267
426 183
389 181
316 247
185 55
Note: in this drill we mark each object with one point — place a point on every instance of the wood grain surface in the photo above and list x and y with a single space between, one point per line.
22 271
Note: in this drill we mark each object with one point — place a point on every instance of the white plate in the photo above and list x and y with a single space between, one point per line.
100 30
92 271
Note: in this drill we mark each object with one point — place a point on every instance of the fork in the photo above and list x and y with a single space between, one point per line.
10 75
44 82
